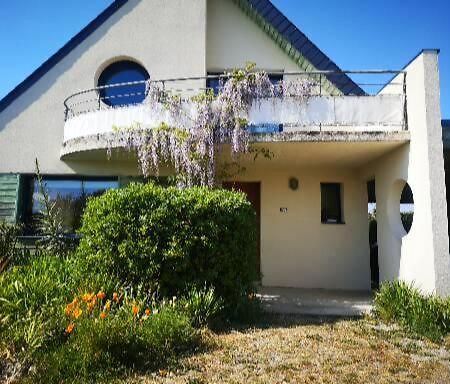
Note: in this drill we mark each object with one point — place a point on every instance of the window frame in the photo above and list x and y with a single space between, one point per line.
274 78
324 215
27 191
108 72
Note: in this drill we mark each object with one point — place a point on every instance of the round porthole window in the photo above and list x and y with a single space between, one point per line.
407 207
124 71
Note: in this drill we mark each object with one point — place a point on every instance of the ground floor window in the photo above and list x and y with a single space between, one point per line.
331 212
69 194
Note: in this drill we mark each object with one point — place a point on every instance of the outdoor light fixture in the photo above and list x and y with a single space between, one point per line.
293 183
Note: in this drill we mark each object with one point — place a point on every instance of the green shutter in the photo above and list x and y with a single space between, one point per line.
9 196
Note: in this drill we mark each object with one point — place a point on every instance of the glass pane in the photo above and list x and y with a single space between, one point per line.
123 72
331 203
69 197
96 188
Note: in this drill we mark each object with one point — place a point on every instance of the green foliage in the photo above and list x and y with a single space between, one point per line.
8 241
170 240
101 350
202 306
30 302
426 315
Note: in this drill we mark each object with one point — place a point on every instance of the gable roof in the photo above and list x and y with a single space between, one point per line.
264 8
298 40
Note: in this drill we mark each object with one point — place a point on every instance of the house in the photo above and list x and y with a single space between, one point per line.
346 148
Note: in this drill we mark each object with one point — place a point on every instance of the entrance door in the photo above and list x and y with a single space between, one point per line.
253 192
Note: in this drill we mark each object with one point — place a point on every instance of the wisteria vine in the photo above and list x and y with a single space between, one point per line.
194 129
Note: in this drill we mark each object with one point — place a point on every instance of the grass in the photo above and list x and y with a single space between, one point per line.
295 349
425 315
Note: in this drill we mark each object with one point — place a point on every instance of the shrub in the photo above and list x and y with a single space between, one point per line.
426 315
8 241
202 306
170 239
30 298
98 349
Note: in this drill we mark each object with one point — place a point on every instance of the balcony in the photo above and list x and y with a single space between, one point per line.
93 115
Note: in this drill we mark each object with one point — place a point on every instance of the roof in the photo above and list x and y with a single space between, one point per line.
264 8
304 46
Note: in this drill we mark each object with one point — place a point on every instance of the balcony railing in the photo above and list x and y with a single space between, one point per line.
382 107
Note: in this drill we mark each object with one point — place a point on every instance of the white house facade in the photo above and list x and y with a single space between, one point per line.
332 156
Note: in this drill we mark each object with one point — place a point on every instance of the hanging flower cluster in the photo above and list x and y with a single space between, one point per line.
192 130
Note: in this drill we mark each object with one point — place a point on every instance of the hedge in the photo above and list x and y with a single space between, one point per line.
170 240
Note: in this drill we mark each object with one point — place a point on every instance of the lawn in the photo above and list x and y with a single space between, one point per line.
293 349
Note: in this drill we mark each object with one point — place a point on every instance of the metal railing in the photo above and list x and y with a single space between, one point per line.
326 83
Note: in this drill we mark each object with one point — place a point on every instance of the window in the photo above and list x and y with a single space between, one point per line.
214 83
69 195
331 203
123 72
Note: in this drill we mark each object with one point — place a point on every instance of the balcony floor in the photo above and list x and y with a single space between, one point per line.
343 148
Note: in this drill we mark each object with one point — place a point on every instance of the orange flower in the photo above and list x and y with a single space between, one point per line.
116 297
148 312
101 295
103 315
70 307
77 313
135 309
91 306
87 297
107 306
68 310
70 328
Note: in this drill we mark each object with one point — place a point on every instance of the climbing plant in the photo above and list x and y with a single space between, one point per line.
192 130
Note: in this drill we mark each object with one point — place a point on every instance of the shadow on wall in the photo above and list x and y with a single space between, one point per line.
400 215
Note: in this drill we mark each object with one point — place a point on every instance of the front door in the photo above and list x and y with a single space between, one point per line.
253 192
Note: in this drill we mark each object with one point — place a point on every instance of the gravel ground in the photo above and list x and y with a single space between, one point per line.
293 349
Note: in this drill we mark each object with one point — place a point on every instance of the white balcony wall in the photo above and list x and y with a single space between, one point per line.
383 112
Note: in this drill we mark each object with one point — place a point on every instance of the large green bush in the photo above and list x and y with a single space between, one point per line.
426 315
169 240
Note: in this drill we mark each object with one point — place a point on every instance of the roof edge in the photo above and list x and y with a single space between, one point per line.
296 40
60 54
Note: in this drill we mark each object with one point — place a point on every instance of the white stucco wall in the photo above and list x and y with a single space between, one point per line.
297 250
234 39
167 38
422 255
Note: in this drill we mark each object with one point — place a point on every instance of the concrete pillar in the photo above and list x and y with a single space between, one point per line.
422 255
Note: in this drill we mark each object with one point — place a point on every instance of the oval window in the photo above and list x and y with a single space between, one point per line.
407 207
125 71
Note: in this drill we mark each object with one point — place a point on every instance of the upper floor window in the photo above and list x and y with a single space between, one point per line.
215 83
124 71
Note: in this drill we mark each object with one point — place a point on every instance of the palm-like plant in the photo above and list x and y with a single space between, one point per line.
49 222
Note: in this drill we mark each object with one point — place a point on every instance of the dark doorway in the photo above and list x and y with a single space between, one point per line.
373 243
253 192
447 183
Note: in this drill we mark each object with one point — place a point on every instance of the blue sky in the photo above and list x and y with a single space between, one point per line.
356 34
